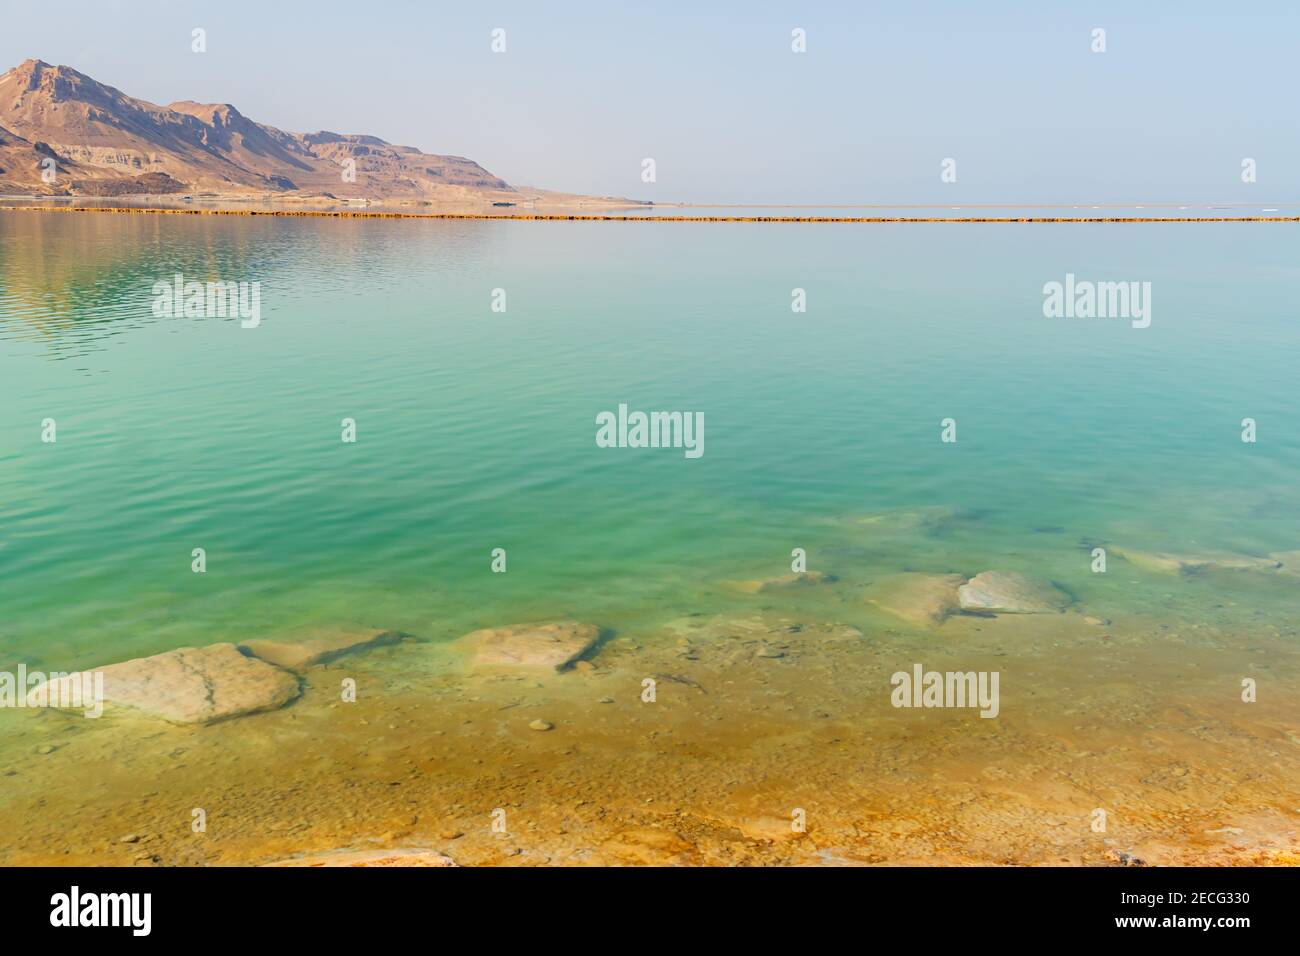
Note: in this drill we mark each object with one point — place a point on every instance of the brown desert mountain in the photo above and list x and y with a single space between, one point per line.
99 141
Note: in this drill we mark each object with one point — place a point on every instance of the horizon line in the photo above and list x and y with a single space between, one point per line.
561 217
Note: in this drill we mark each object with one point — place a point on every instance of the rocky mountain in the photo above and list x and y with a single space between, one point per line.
90 139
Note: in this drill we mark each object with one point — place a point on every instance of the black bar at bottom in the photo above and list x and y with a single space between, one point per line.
336 905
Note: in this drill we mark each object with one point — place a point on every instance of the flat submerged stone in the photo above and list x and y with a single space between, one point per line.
319 648
1166 563
786 582
1288 562
704 631
547 645
1009 592
926 520
195 685
923 600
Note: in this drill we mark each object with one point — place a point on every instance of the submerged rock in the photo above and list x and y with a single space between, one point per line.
786 582
920 599
1150 561
549 645
1165 563
193 685
320 648
926 520
720 627
399 857
1288 562
700 632
1008 592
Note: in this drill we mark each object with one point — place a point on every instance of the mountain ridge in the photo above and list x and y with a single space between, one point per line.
104 142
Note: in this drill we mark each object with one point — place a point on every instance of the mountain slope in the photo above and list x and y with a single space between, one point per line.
105 142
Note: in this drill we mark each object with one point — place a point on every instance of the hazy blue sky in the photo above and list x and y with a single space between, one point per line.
1009 89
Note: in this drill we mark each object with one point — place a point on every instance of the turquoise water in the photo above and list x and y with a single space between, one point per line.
476 428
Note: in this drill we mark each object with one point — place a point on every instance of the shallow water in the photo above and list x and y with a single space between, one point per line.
476 431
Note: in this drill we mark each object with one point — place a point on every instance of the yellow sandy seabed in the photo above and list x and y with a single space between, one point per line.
561 217
760 719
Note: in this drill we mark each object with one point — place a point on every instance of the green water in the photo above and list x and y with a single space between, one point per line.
476 429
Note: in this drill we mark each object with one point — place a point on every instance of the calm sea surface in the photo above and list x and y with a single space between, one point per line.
476 429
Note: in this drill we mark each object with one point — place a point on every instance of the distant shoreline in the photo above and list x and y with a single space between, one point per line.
577 217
